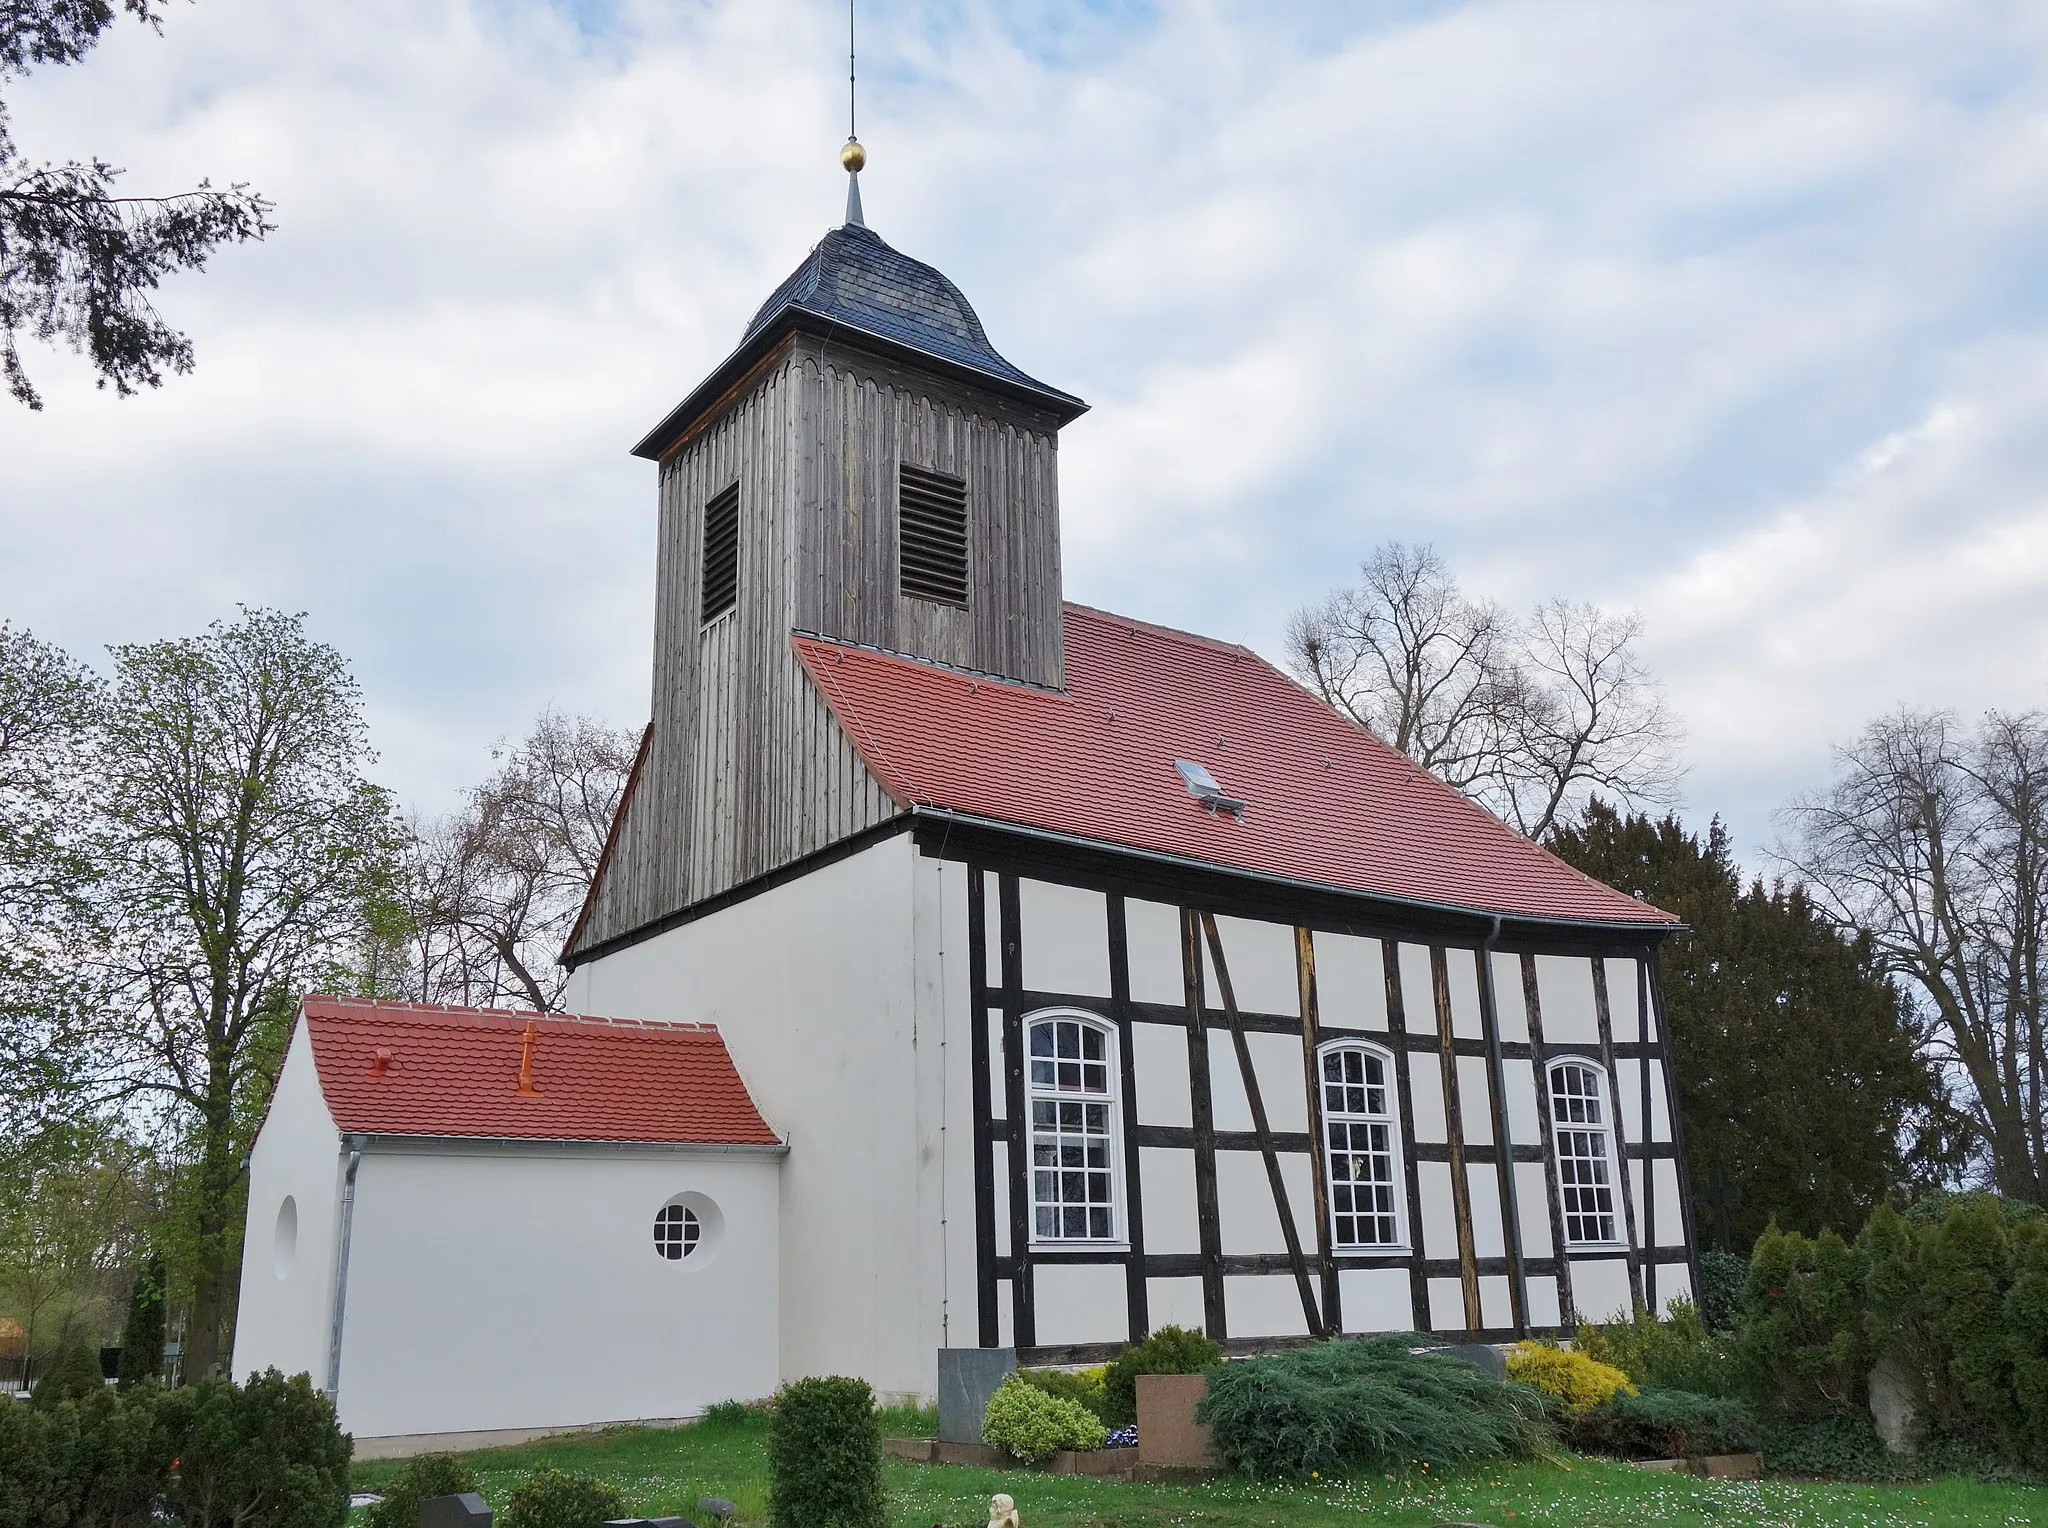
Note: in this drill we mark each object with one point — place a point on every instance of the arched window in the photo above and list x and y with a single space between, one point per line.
1583 1128
1072 1098
1361 1146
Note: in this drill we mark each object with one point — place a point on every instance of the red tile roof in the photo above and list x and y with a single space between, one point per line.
456 1071
1327 802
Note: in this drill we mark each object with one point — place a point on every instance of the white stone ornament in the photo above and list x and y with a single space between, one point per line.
1002 1513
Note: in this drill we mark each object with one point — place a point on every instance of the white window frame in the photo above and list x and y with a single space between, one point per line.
1110 1099
1391 1120
1610 1145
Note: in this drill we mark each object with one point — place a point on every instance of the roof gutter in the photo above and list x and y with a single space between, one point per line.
421 1144
1479 915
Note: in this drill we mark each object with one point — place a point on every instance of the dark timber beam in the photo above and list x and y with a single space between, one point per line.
1289 1231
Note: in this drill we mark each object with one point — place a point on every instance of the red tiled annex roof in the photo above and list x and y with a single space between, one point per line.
1328 802
455 1071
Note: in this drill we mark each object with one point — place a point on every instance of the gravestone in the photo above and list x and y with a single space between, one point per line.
466 1510
714 1506
967 1378
1482 1356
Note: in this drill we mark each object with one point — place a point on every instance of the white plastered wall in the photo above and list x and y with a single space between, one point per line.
285 1314
519 1287
832 994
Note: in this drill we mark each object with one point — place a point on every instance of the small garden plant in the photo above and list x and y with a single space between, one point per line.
825 1455
552 1498
424 1477
1031 1423
1574 1380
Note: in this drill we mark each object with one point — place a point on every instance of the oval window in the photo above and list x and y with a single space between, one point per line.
285 1245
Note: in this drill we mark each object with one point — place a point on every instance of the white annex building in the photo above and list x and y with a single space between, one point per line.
1083 975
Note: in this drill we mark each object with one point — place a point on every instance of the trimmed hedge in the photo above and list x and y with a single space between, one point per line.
825 1456
1085 1388
1346 1405
1031 1423
552 1498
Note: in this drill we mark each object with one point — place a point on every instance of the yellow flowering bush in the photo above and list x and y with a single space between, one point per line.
1581 1383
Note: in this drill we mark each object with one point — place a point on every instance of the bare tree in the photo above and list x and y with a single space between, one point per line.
497 886
1529 718
1936 840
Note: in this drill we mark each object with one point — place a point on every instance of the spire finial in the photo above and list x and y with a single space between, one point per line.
853 156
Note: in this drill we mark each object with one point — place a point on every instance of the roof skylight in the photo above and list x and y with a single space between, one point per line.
1203 787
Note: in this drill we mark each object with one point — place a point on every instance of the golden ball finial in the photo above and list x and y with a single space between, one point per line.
853 156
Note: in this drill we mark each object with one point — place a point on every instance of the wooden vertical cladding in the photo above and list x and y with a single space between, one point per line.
748 769
1454 1124
1650 1238
1503 1144
1318 1134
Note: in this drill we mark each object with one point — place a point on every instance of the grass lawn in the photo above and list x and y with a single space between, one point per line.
664 1471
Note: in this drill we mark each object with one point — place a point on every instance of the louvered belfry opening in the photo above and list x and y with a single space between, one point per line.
721 554
931 535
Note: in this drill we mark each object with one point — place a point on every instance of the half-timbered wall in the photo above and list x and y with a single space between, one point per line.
1221 1122
745 772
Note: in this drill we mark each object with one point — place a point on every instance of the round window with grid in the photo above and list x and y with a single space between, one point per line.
677 1231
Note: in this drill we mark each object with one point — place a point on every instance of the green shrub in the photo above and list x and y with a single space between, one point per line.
424 1477
1170 1350
1345 1405
101 1460
727 1414
73 1373
1085 1388
1672 1353
2026 1325
1723 1279
1574 1380
1031 1423
1966 1267
825 1456
264 1454
1663 1424
552 1498
1802 1340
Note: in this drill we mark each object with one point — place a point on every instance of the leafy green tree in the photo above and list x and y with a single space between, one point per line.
1796 1061
69 1203
241 852
77 262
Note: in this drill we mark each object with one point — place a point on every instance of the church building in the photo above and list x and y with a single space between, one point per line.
1046 975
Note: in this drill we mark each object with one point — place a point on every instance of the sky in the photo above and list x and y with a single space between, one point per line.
1731 312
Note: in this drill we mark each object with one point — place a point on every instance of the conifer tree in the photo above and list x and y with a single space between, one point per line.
1798 1075
142 1336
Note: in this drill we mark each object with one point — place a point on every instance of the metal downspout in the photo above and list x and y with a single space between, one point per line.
348 1216
1511 1210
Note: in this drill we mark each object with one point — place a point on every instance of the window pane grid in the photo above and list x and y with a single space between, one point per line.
1359 1155
1073 1173
676 1231
1585 1174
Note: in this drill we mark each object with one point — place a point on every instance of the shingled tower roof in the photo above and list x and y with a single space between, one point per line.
855 288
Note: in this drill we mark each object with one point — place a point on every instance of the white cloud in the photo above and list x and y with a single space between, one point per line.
1608 300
